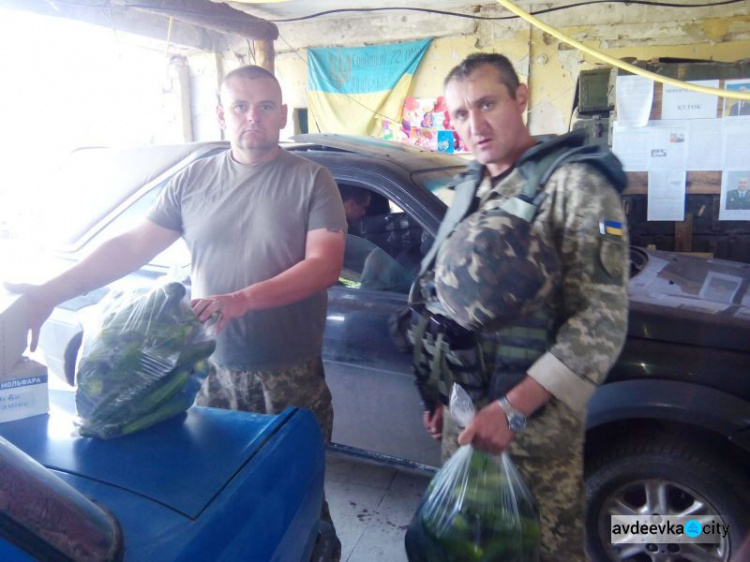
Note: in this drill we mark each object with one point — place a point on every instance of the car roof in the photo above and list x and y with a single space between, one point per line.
97 180
108 179
413 158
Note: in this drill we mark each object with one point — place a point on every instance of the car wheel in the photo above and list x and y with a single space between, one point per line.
663 475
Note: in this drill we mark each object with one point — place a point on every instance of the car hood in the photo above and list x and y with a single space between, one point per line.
690 300
152 463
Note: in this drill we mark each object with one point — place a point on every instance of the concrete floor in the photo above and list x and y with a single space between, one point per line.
372 507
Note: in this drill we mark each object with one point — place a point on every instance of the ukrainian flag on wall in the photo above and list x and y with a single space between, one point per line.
352 89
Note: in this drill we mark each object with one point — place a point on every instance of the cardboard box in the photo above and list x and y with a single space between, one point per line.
13 331
23 391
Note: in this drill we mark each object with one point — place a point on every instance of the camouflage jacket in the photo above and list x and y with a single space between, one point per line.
582 218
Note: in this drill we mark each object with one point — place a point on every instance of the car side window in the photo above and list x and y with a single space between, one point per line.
383 248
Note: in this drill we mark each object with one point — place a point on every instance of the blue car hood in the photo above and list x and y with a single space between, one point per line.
149 463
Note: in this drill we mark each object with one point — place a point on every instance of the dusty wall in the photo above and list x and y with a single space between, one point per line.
550 67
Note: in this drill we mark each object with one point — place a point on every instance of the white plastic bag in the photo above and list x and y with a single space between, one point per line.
477 507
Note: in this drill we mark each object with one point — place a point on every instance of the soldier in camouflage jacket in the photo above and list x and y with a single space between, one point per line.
548 361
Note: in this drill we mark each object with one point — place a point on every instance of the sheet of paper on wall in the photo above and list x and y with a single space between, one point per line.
720 287
734 204
680 103
734 108
704 144
666 146
736 144
630 145
635 94
666 195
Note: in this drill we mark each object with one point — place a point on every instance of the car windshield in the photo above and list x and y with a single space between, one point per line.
439 182
92 182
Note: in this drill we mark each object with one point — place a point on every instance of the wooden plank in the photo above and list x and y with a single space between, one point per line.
195 21
264 54
683 234
698 183
219 17
127 20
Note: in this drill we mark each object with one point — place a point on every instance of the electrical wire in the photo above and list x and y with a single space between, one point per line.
617 62
108 3
498 18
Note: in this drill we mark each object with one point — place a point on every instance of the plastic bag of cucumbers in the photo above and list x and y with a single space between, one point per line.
143 358
476 508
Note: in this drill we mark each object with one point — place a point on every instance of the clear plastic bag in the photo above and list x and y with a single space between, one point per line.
476 508
143 358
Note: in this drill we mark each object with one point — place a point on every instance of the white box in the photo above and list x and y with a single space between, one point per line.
14 328
23 391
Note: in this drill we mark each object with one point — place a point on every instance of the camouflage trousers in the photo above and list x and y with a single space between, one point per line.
549 456
302 385
270 391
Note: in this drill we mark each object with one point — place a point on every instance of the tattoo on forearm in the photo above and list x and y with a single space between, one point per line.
335 230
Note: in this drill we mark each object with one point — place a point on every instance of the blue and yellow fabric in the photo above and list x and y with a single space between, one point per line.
352 89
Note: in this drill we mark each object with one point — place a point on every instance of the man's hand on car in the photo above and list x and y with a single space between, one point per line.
41 302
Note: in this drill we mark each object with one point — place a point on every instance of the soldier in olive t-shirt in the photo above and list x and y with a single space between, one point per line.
244 224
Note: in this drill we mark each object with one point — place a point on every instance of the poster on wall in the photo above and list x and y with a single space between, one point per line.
735 195
704 147
630 145
737 108
667 145
424 123
679 103
666 195
736 149
635 95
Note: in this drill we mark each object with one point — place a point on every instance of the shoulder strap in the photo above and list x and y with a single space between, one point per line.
465 191
600 158
539 163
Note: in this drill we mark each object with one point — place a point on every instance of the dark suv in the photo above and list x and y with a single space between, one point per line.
669 432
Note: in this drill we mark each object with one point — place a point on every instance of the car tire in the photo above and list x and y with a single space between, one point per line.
665 475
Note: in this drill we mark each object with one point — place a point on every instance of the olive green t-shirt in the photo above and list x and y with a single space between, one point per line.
244 224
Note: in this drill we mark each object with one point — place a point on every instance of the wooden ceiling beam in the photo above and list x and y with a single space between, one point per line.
197 24
211 15
126 20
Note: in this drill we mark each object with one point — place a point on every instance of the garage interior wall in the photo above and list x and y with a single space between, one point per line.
550 68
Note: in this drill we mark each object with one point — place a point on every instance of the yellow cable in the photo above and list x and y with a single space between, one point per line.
169 37
621 64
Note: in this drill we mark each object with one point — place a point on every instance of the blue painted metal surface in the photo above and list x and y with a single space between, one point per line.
209 485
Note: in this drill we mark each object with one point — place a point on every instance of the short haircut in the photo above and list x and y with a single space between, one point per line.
249 72
508 75
358 194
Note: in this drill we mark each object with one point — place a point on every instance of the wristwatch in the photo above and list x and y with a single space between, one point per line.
516 420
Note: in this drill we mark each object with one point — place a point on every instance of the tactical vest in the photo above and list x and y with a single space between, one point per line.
490 362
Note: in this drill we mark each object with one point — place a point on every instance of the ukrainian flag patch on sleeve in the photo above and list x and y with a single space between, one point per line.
611 228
